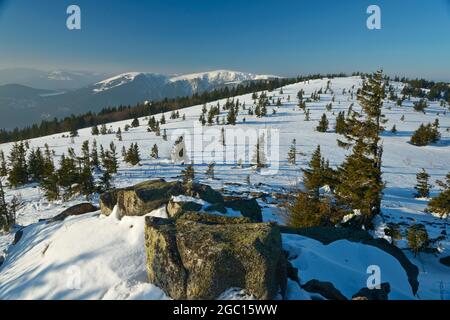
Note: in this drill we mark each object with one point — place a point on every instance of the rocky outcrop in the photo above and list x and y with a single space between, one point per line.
77 210
329 235
374 294
176 209
145 197
247 207
325 289
200 256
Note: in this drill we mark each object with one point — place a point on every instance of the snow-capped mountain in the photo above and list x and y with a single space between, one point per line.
196 81
124 89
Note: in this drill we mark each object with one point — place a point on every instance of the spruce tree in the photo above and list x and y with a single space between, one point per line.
105 181
314 177
119 134
210 171
68 176
103 129
340 123
5 222
292 154
163 120
94 155
50 186
188 179
422 187
85 154
3 165
231 118
259 157
18 173
36 165
95 131
155 152
135 123
441 203
132 156
361 185
323 124
418 238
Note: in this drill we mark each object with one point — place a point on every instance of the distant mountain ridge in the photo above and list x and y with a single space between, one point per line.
124 89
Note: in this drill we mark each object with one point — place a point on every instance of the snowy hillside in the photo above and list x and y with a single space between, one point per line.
109 254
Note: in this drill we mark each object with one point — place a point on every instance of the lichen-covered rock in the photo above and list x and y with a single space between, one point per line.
374 294
176 209
200 256
77 210
213 219
145 197
164 266
248 207
325 289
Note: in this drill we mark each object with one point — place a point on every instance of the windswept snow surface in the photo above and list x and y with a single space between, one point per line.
110 253
88 257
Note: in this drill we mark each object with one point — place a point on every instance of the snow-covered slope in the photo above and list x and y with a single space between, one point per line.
85 241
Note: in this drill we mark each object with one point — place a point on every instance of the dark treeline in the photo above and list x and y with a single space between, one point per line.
437 90
112 114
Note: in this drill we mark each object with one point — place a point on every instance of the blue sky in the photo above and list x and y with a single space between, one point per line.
284 37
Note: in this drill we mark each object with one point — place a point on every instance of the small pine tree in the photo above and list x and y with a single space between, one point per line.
135 123
441 203
340 123
94 155
164 135
425 135
119 134
394 129
231 118
292 154
95 131
259 157
163 120
188 179
5 222
3 165
105 181
422 187
18 173
155 152
307 115
103 130
418 238
210 171
323 124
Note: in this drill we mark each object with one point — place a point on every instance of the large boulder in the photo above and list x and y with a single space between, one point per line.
77 210
374 294
325 289
200 256
247 207
145 197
